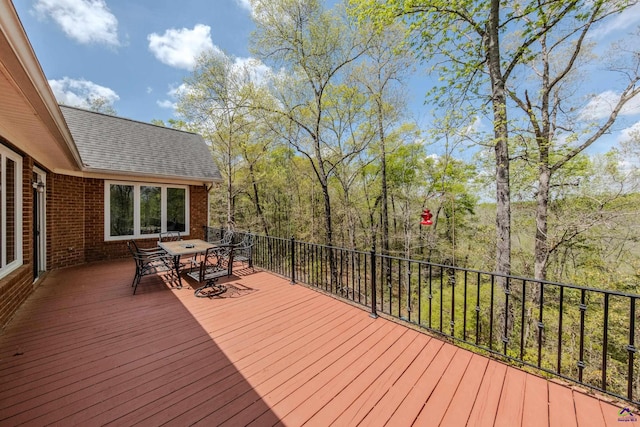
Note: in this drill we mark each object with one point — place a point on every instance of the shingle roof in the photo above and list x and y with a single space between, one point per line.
114 144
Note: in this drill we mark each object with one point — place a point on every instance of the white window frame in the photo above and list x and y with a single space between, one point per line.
136 209
5 153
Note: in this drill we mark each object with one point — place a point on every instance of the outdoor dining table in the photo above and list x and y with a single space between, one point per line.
178 248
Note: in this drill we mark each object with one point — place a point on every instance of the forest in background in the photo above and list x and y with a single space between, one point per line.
315 140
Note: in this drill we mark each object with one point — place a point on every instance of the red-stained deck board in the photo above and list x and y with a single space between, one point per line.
461 403
393 395
84 351
295 363
510 407
434 409
319 374
535 412
486 403
415 397
256 365
561 406
369 387
375 362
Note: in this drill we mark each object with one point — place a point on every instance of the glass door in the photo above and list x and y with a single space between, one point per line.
39 223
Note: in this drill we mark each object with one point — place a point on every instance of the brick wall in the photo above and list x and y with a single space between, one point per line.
96 248
65 221
15 288
198 209
75 231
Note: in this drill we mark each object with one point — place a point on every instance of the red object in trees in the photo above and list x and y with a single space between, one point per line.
426 217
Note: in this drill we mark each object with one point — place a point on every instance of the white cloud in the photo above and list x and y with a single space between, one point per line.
166 104
86 21
631 133
258 71
601 106
77 93
173 94
180 48
622 21
245 4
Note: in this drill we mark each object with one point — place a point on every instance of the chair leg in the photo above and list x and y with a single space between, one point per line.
135 277
136 285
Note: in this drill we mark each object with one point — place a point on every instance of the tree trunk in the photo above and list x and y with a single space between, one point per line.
542 207
502 328
499 102
256 198
384 194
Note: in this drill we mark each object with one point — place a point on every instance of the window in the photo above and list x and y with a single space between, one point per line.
10 210
144 210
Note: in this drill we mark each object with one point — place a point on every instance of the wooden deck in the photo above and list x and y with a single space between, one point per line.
84 351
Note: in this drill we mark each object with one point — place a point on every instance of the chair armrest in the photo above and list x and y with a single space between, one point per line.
154 250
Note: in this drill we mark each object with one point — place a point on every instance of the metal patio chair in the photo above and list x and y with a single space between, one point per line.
215 263
243 251
170 236
227 238
149 261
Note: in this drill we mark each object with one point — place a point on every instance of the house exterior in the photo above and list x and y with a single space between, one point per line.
76 184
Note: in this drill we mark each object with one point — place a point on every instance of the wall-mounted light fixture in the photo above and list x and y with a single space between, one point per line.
38 186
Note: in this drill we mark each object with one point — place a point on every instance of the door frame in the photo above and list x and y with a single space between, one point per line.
39 218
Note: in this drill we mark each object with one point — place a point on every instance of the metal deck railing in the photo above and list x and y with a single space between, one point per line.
582 334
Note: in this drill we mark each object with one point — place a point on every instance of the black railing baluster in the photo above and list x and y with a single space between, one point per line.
340 282
430 296
464 309
522 313
560 314
293 260
389 275
399 289
361 271
374 307
493 285
353 275
383 275
409 290
605 341
419 293
453 306
478 310
540 324
505 336
631 347
318 267
441 297
583 309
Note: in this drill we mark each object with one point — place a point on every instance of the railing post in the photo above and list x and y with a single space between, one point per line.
293 261
374 303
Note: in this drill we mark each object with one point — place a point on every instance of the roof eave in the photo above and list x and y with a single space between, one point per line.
117 174
37 92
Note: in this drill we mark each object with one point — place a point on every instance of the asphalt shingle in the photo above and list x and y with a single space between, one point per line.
114 144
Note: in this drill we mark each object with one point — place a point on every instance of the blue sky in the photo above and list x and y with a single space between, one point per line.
136 52
133 52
